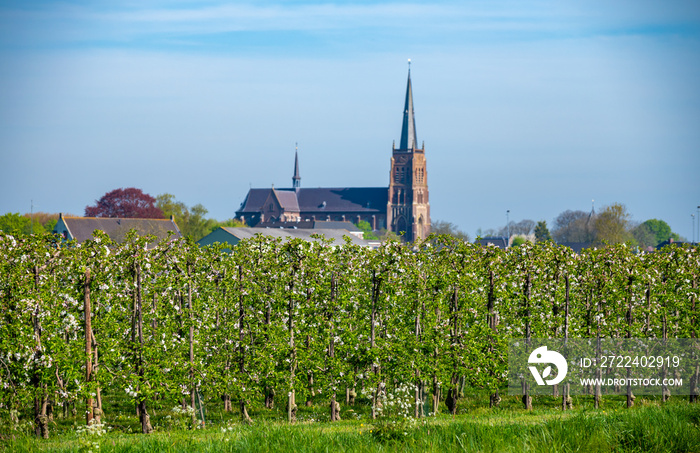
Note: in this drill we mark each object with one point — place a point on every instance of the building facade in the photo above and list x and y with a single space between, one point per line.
402 208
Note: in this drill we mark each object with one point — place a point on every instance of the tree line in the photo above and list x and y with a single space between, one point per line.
612 225
295 322
125 203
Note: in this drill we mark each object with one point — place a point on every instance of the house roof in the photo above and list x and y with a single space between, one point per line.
496 241
81 228
335 225
320 200
317 224
337 235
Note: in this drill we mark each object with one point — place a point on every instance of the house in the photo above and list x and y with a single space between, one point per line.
671 241
402 207
496 241
233 235
81 228
319 224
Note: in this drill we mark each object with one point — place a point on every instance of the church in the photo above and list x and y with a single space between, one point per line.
402 208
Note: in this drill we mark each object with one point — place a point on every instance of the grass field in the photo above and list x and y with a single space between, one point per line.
650 426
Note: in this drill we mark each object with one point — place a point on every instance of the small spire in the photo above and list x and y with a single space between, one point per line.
296 179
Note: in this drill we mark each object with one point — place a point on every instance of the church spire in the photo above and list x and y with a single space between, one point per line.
408 129
296 179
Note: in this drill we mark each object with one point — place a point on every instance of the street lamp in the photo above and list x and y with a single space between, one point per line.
508 227
692 221
697 217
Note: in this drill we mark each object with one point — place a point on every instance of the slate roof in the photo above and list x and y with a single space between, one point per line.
288 200
335 225
343 199
254 200
497 241
320 200
335 234
81 228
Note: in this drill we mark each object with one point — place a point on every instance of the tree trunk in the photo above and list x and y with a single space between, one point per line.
244 413
453 392
417 332
436 395
695 380
269 397
527 399
494 398
598 352
291 402
241 347
694 384
335 406
373 317
335 409
98 403
190 310
41 420
89 412
146 427
630 396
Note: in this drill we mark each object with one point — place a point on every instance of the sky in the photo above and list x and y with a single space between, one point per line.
532 107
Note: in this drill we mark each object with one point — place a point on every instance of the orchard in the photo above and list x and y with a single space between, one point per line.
287 323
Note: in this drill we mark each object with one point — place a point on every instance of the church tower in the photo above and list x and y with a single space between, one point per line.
408 209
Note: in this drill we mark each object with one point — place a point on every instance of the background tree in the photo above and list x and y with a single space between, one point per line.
643 236
366 228
525 227
20 225
449 228
574 226
611 225
518 240
542 232
125 203
191 221
653 232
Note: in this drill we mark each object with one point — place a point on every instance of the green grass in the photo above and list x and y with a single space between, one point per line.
650 426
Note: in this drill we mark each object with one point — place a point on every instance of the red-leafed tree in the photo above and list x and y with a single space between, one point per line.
125 203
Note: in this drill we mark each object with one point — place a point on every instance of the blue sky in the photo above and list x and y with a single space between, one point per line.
529 106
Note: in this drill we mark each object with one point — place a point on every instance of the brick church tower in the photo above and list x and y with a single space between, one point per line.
408 209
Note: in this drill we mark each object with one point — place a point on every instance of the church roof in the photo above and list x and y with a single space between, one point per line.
322 199
288 200
255 200
343 199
